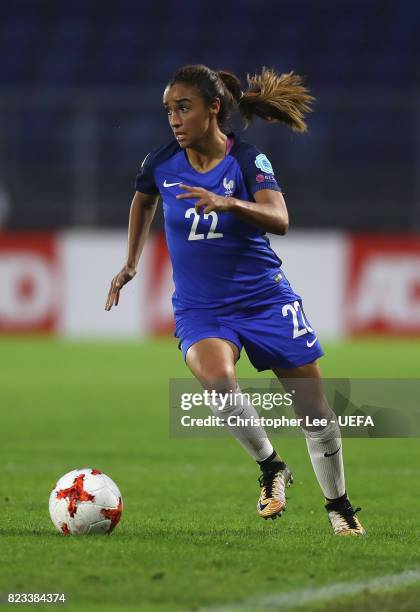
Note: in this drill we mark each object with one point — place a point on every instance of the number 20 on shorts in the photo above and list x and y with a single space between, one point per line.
296 312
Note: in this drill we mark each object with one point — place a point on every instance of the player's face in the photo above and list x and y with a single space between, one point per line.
188 115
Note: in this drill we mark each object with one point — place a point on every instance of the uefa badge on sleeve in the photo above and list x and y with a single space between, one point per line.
262 162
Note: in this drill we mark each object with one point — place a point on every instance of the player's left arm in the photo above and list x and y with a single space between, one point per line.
268 212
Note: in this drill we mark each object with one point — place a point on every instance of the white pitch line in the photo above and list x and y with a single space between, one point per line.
299 597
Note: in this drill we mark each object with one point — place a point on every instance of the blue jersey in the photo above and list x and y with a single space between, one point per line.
218 259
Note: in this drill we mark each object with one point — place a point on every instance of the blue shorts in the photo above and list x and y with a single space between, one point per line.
276 334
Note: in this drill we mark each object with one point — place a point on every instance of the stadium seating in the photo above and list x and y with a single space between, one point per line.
93 52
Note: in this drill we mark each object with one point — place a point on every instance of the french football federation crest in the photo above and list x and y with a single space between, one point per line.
229 187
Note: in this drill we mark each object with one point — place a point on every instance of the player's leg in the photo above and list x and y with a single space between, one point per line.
212 361
279 337
324 443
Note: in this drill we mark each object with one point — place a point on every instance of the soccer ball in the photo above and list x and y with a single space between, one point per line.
85 501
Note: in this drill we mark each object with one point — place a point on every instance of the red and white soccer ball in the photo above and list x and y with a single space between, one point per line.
85 501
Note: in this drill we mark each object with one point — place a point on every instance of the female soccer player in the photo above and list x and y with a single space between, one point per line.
220 196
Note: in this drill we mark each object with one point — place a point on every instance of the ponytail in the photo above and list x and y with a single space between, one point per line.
272 97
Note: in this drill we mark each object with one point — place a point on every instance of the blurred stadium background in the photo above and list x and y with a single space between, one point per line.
80 107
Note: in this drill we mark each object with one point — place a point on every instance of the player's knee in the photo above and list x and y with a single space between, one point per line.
219 377
215 371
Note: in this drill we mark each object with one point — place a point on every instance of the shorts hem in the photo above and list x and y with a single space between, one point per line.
296 364
204 337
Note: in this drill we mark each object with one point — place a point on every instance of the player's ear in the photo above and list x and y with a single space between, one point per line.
215 107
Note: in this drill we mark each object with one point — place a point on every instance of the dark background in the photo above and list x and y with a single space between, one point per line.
81 85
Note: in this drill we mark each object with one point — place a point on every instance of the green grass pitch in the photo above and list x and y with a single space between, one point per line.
190 537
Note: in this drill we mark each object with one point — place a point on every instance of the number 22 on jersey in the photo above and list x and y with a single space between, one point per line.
191 212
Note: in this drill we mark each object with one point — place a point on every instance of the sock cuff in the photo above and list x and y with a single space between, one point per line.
268 460
337 500
269 463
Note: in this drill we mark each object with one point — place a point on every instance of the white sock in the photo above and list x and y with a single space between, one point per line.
328 470
253 438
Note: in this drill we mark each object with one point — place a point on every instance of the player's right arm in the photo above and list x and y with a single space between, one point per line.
142 211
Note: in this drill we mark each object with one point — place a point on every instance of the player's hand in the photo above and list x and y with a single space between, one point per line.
122 278
207 200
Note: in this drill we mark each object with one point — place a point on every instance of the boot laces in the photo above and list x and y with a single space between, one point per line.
345 518
270 481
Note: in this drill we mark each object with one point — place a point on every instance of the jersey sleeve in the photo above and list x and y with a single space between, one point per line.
257 171
145 179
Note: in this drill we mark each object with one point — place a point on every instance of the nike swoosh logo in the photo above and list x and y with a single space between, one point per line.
165 184
261 506
331 454
309 344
